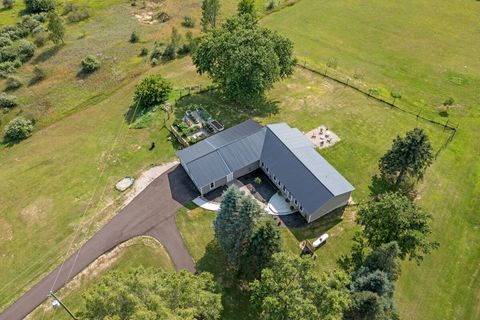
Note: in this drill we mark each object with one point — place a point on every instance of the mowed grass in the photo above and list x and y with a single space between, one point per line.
138 253
57 186
426 50
306 101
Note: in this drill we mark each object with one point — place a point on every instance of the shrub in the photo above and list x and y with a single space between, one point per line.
13 83
29 23
79 14
34 6
134 37
156 51
449 102
5 42
7 68
7 101
8 4
169 53
257 180
38 29
133 3
40 39
184 49
68 7
154 61
38 75
9 53
152 91
143 52
271 5
90 64
188 22
18 129
26 50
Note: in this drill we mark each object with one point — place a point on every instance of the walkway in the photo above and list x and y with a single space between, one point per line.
152 213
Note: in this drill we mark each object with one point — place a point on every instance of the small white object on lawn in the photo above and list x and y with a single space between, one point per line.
124 184
55 304
322 239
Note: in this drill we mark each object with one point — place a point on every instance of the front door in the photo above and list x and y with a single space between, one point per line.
230 177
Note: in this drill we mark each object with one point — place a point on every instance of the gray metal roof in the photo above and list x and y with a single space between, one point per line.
305 173
224 152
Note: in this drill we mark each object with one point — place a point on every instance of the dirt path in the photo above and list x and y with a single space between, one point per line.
151 213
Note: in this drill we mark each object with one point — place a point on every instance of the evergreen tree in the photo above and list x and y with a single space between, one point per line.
265 242
376 281
409 156
385 258
246 7
55 28
367 305
210 13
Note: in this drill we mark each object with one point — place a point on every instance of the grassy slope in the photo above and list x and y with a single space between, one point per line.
427 51
48 180
135 255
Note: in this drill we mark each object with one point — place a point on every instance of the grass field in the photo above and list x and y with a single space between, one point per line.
135 253
51 179
426 50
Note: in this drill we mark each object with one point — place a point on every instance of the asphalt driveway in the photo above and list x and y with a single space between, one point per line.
151 213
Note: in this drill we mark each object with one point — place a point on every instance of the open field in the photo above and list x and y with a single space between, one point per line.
138 252
52 183
426 51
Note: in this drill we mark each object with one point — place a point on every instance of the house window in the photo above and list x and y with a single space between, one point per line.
301 209
284 189
296 202
267 169
263 164
274 178
212 185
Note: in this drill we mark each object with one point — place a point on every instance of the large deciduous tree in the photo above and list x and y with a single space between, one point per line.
234 224
244 59
394 217
210 13
153 294
291 290
152 91
409 156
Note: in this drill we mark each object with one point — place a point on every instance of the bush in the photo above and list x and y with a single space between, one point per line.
152 91
38 75
40 39
9 53
68 7
34 6
134 37
271 5
188 22
154 61
7 101
79 14
184 49
169 53
7 68
156 51
13 83
29 23
8 4
26 50
18 129
5 41
449 102
143 52
257 180
90 64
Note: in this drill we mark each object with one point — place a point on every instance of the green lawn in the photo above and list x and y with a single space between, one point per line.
426 50
143 252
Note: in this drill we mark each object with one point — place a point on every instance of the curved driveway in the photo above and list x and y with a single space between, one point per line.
151 213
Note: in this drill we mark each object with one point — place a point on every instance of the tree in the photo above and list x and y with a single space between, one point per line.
152 91
90 64
26 50
291 290
244 59
409 156
210 12
18 129
8 4
266 241
234 224
376 281
246 7
395 218
367 305
384 258
134 37
153 294
8 101
175 37
36 6
55 28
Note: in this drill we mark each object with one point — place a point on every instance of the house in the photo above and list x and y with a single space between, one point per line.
287 157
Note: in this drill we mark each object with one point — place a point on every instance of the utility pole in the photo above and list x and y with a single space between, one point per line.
63 305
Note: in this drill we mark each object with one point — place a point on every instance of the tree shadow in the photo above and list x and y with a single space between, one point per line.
82 74
303 231
182 188
381 185
227 112
47 54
